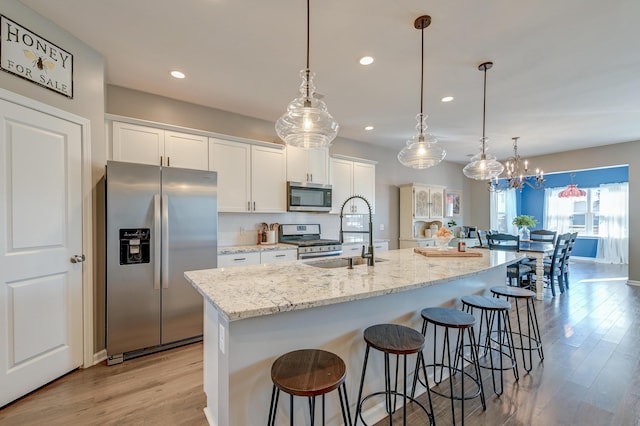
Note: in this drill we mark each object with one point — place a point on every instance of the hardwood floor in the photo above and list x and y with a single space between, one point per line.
590 374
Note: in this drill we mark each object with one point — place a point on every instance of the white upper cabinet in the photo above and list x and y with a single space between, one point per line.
308 165
251 178
149 145
420 204
349 177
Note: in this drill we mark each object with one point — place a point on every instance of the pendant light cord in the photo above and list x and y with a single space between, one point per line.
484 106
307 71
422 72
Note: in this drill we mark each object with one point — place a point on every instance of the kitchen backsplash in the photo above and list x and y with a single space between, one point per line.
236 229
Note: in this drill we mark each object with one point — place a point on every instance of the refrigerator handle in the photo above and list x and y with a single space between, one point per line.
156 244
165 241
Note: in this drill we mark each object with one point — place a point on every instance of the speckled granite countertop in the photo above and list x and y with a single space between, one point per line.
251 291
255 248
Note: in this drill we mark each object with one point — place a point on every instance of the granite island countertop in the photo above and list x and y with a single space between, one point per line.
252 248
252 291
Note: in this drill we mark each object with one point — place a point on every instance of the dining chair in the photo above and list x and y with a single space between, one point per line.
508 242
482 237
565 261
543 236
553 269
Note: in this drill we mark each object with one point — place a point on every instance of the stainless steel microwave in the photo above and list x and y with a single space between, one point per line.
308 197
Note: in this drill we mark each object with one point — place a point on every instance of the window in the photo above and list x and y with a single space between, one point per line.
584 213
503 210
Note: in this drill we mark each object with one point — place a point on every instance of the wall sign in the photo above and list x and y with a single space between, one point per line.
33 58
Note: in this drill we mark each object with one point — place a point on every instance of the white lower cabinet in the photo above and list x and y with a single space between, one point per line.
380 246
256 258
353 249
238 259
417 243
275 256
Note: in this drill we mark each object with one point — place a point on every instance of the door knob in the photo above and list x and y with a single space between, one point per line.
77 258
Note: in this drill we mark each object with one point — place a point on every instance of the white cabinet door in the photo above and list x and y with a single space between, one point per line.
137 144
268 180
436 202
148 145
421 201
364 183
232 161
40 236
238 259
307 165
186 150
318 165
342 184
352 178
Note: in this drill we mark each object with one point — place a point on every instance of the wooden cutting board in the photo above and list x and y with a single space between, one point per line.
453 252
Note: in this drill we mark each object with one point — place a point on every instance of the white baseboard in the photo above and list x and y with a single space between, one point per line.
209 417
633 283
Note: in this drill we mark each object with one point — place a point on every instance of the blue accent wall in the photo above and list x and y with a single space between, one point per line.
531 201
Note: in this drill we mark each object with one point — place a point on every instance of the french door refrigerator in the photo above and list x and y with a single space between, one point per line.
161 221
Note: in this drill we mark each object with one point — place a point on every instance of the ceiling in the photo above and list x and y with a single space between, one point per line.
566 74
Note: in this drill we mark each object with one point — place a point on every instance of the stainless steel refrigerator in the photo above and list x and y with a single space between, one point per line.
161 221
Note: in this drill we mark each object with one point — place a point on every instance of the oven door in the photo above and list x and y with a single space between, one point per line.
308 197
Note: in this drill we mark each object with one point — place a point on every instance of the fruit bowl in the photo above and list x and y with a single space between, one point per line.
443 242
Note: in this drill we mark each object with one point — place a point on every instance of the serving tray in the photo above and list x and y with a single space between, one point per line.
434 252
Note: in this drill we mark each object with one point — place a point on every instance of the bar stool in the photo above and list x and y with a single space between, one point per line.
463 322
310 373
393 339
494 321
530 339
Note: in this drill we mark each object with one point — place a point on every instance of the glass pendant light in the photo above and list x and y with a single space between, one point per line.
307 123
483 166
422 150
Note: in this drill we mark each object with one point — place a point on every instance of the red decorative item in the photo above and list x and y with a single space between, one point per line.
572 191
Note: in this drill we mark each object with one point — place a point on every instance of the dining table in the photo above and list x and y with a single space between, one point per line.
539 251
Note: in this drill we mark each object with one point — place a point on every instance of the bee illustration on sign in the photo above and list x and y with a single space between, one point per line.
42 64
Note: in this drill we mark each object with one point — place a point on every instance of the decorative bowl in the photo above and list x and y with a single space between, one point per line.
443 242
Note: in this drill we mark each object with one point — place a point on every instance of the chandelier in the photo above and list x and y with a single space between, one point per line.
516 170
483 166
307 123
422 150
572 190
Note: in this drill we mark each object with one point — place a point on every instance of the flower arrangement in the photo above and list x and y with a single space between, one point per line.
524 220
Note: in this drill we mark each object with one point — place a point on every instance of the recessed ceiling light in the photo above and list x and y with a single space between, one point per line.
366 60
369 128
177 74
447 99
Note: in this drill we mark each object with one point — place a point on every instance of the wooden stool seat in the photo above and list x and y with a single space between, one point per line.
394 339
510 291
450 318
488 303
308 372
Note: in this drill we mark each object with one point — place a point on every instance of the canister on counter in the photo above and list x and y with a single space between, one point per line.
462 246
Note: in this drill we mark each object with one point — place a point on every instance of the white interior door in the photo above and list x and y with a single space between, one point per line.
40 232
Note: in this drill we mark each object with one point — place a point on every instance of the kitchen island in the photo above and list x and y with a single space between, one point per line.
255 314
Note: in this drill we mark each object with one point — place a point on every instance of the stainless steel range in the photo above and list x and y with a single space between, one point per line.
307 238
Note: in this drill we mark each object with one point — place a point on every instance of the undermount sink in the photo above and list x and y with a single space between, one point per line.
342 262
